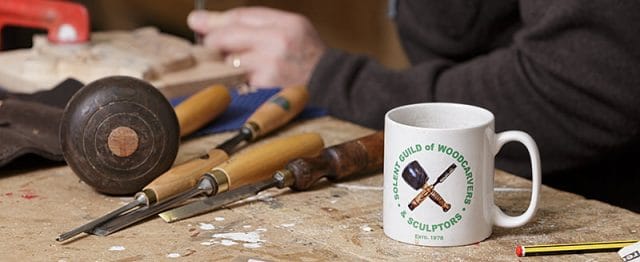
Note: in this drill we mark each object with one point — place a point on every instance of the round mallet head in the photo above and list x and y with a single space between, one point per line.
118 134
415 175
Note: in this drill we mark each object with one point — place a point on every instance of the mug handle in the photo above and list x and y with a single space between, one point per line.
500 218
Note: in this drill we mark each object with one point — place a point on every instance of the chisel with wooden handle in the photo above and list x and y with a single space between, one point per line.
274 113
247 167
359 156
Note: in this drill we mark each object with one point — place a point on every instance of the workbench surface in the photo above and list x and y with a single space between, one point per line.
334 222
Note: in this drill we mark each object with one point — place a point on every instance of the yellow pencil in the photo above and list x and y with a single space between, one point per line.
572 248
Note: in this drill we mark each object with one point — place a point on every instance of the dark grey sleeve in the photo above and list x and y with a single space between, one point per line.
360 90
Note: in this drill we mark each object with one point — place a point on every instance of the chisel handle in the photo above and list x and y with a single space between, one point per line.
260 162
183 177
354 157
277 111
202 107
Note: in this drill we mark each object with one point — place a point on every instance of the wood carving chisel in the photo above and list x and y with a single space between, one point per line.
198 5
274 113
354 157
247 167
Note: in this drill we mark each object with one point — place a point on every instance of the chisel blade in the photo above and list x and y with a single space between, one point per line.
215 202
143 213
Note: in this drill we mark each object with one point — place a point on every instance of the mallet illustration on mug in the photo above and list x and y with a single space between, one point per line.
417 178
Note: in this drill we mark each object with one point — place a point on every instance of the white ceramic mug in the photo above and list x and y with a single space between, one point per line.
438 174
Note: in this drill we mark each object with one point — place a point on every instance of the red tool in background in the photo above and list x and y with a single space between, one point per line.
65 22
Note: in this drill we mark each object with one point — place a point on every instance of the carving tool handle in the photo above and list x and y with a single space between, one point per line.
184 176
277 111
202 107
354 157
260 162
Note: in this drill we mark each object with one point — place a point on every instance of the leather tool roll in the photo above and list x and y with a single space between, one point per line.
29 123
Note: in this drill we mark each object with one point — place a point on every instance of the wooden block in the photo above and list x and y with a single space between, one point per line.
203 74
172 64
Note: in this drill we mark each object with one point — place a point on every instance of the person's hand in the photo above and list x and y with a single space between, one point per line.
276 48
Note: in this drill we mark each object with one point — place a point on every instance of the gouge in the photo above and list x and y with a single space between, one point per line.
247 167
274 113
354 157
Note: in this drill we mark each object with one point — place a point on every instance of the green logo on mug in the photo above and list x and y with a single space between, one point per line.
413 174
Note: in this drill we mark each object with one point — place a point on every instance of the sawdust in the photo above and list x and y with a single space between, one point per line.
117 248
206 226
226 242
359 187
366 228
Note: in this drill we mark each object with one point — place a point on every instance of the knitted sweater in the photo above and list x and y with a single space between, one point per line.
566 72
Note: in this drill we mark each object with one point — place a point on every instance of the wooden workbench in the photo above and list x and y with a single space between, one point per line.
332 222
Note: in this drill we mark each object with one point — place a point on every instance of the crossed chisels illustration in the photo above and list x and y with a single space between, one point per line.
417 178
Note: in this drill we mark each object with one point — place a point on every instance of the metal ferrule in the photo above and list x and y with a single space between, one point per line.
251 128
284 177
221 180
148 195
206 185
